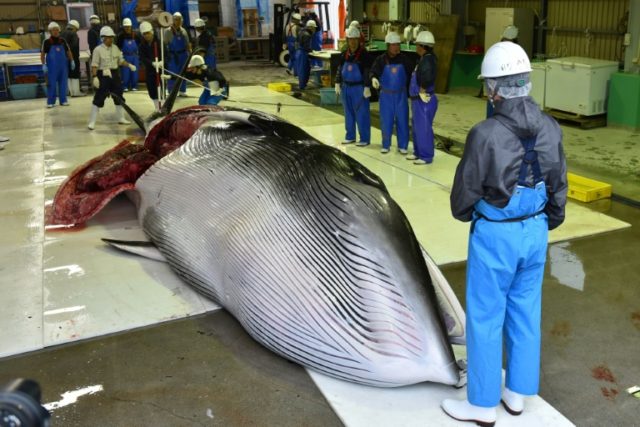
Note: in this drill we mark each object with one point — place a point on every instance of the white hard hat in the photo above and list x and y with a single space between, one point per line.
311 23
510 33
126 22
53 25
196 61
354 24
107 31
177 15
353 33
392 38
94 19
425 37
296 16
20 30
504 59
75 24
198 23
145 27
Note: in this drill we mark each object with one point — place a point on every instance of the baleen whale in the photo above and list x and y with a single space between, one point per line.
302 244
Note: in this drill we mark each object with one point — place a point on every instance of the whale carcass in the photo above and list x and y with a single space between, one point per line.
302 244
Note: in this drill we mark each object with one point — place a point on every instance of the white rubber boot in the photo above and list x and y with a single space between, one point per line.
462 410
75 87
93 117
120 116
513 402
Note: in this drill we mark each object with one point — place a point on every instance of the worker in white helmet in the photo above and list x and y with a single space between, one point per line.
56 59
391 73
356 24
352 85
424 102
509 34
303 65
216 86
511 184
291 35
179 49
151 58
71 37
105 73
93 35
205 43
128 42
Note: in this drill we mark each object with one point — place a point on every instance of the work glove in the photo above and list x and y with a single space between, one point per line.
73 65
425 97
132 67
366 92
284 46
218 92
96 82
157 64
45 69
375 83
165 77
338 89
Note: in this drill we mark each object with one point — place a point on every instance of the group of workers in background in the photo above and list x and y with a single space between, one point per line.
398 81
303 35
115 62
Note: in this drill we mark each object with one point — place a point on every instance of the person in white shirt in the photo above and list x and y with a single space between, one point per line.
105 61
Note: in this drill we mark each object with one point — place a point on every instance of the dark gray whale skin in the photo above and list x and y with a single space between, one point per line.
303 245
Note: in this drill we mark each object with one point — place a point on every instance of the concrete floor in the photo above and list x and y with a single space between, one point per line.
206 371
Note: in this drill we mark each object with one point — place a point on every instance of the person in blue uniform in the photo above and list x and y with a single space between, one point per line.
291 37
56 60
391 73
71 37
150 56
316 40
350 84
93 35
511 184
216 86
206 43
424 102
128 42
303 49
179 49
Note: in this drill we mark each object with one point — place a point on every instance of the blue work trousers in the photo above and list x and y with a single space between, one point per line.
356 111
422 127
130 78
505 269
304 68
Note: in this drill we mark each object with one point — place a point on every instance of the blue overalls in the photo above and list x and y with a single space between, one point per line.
207 99
130 53
302 64
422 120
316 44
57 73
291 47
356 106
505 268
394 106
178 56
210 56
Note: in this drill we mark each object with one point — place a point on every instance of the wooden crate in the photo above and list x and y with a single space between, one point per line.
222 49
586 189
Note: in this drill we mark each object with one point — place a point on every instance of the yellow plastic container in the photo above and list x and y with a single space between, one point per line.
587 190
279 87
326 80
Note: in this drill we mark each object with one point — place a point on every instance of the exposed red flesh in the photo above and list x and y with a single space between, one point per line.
92 185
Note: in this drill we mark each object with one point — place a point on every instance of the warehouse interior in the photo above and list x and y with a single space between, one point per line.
116 339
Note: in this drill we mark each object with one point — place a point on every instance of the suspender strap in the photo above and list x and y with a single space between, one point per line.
530 159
